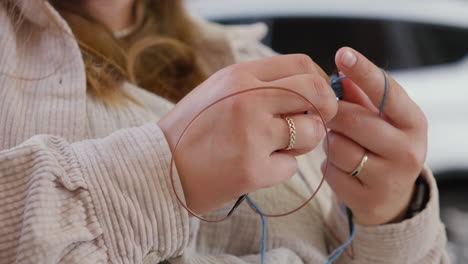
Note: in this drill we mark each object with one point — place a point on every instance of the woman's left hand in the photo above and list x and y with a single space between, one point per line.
395 143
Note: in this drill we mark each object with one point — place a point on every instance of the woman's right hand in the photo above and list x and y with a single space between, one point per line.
232 149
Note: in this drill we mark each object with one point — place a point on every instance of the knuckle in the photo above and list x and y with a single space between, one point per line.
306 80
234 73
413 159
351 120
304 63
234 69
320 87
421 121
239 105
238 77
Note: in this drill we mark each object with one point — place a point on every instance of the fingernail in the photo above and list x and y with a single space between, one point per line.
348 59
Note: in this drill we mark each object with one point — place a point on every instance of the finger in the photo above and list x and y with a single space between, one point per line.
347 155
309 132
347 188
315 88
283 66
368 130
370 79
354 94
280 168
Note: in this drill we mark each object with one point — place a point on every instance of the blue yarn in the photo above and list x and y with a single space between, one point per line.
337 86
384 97
264 235
340 250
338 89
333 256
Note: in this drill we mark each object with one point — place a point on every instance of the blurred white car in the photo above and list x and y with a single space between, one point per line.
422 43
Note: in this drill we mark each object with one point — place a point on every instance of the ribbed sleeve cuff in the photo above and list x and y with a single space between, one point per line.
127 174
410 241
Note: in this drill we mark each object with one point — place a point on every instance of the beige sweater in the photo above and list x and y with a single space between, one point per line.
83 182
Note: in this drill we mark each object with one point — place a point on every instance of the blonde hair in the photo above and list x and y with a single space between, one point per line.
159 56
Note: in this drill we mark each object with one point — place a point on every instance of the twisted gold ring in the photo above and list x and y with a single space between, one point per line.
292 133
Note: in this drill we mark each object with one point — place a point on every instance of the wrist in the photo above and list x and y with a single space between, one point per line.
393 211
402 215
419 199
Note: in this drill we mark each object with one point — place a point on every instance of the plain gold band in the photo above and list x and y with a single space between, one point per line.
360 166
292 133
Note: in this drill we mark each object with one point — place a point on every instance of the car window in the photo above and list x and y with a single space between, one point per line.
390 44
440 44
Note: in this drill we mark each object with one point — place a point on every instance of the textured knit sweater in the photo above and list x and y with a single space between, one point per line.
86 182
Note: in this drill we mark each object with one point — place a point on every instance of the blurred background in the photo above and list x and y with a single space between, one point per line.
422 43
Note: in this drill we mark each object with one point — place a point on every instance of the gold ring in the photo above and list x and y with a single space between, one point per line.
360 166
292 133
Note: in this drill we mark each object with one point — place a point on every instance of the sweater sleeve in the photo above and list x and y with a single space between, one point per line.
93 201
420 239
274 256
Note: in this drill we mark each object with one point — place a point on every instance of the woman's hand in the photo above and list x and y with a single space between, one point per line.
232 149
395 143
